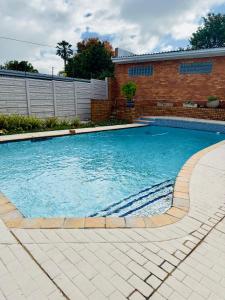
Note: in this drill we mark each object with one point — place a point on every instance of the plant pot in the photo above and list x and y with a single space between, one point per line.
130 104
213 104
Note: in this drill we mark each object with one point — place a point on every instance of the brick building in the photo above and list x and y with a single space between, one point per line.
166 80
174 77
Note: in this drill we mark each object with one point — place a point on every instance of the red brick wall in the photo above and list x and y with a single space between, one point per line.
167 84
199 113
100 110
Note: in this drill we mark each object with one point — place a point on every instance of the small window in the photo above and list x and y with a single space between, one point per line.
140 71
196 68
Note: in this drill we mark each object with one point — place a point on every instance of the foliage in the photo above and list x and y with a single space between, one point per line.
19 123
211 34
10 124
63 49
92 60
22 65
75 122
212 98
86 44
51 122
111 122
129 90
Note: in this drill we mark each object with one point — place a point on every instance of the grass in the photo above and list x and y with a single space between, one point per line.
12 124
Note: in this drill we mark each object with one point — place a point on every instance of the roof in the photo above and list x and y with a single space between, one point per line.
170 55
20 74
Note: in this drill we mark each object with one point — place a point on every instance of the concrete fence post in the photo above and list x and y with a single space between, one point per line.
28 96
54 98
75 98
92 89
107 88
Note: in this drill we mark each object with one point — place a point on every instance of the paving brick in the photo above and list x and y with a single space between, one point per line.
138 270
137 296
117 296
156 259
165 290
103 285
85 268
134 255
167 267
154 281
154 269
123 286
181 288
170 258
97 296
157 296
140 285
86 287
120 269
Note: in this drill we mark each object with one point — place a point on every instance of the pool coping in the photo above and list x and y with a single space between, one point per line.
179 209
61 133
186 119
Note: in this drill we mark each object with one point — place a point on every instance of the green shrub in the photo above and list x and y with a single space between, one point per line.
64 123
129 90
51 122
10 124
212 98
20 123
75 123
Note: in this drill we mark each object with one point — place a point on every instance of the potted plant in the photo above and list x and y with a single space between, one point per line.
190 104
129 91
213 102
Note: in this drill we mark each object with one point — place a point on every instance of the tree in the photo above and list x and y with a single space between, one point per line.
22 65
64 51
92 60
211 34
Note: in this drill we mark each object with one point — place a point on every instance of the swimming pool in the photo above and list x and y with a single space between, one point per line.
114 173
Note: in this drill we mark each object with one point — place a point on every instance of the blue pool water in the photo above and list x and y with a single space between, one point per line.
125 172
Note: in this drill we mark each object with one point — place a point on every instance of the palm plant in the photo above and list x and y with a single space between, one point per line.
64 51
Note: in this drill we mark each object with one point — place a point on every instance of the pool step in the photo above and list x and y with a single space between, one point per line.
144 120
138 202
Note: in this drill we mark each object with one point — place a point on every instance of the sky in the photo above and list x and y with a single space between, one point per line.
140 26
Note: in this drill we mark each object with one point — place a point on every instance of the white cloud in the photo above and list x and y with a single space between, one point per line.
138 25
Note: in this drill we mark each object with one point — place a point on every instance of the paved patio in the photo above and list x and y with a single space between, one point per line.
184 260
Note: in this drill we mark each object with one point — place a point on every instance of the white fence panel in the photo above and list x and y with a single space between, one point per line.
83 98
99 89
48 98
41 98
13 98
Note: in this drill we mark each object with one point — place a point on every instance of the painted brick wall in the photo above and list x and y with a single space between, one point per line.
167 84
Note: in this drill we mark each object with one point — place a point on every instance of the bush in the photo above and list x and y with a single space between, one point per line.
75 123
212 98
129 90
20 123
51 122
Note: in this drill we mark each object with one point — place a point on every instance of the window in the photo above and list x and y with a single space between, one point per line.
196 68
140 71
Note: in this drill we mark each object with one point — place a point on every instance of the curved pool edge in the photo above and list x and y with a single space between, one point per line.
179 209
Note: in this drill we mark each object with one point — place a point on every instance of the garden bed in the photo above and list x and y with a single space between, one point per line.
13 124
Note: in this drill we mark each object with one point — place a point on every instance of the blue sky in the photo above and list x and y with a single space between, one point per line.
139 26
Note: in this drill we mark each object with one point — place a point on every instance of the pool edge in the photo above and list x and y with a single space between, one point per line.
61 133
13 218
